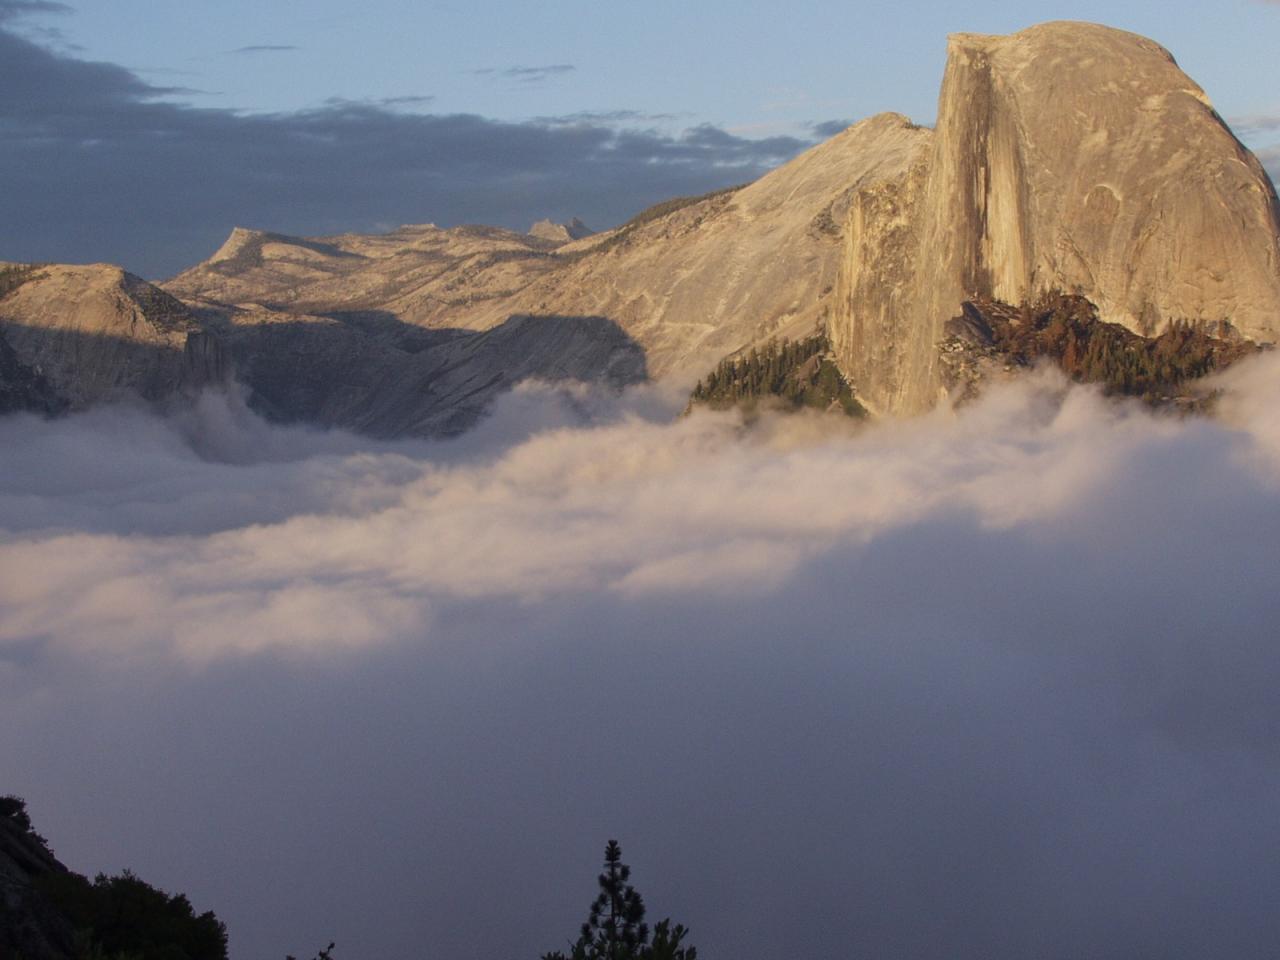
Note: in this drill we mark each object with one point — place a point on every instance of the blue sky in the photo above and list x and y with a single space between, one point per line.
140 132
748 66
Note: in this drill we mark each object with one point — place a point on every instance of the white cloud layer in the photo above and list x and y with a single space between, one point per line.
994 684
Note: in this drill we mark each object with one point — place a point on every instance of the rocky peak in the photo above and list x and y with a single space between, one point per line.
240 241
96 331
573 229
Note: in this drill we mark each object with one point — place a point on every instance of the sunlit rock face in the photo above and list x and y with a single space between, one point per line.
687 281
1069 157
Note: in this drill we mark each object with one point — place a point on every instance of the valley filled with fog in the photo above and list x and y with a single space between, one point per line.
995 682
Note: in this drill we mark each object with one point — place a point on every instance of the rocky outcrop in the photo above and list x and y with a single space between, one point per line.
989 340
418 274
30 925
573 229
1069 157
96 333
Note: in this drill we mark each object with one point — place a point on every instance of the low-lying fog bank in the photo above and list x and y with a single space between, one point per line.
999 684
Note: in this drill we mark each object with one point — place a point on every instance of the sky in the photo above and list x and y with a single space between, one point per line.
140 132
991 684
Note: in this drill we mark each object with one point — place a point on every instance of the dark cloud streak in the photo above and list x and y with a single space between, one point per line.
526 74
14 9
537 74
829 128
265 48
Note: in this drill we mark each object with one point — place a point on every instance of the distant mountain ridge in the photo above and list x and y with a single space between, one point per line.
689 281
1068 158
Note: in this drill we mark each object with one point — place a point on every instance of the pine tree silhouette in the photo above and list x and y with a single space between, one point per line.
615 927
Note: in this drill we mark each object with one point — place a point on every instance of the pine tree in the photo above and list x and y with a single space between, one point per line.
615 927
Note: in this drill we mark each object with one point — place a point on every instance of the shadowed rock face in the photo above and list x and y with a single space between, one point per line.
24 390
98 333
382 378
29 924
1069 157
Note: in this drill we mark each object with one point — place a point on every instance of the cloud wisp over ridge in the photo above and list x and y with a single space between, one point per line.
993 684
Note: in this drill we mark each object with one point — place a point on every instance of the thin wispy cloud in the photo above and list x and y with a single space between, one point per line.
1269 157
527 74
1255 123
15 16
610 118
13 9
829 128
167 71
406 100
265 48
1264 128
379 103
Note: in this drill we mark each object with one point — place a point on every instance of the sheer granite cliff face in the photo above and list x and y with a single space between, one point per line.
1069 157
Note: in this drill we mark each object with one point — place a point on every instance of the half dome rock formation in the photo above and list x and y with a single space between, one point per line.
1068 157
96 333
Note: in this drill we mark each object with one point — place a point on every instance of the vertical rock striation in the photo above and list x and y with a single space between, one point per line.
1069 157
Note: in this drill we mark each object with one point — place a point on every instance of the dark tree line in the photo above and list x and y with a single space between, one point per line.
125 917
1066 329
58 914
790 373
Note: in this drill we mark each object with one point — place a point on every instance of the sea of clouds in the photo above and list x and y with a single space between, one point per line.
994 683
